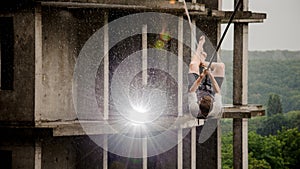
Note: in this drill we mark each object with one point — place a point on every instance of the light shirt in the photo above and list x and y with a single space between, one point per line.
216 111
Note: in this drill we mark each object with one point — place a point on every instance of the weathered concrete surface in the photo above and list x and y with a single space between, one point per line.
64 33
21 145
17 106
58 153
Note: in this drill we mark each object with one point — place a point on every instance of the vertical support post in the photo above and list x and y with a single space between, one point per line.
219 131
105 152
144 79
219 143
144 54
106 86
193 131
180 150
193 38
193 148
106 67
38 64
38 155
240 86
245 142
180 65
240 64
240 143
145 153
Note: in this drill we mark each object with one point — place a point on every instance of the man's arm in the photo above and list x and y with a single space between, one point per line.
213 81
197 82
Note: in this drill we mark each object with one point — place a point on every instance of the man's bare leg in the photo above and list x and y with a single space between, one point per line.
218 69
198 58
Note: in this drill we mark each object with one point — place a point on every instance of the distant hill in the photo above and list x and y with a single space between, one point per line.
261 55
269 72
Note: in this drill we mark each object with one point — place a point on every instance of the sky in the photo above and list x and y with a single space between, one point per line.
280 31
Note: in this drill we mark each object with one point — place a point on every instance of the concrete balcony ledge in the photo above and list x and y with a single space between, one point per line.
88 127
136 5
243 111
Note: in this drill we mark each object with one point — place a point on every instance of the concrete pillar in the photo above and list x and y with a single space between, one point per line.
145 153
240 92
106 67
180 65
105 152
144 79
180 150
180 86
38 155
240 143
193 148
38 95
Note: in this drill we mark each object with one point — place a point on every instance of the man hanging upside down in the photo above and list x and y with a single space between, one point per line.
204 85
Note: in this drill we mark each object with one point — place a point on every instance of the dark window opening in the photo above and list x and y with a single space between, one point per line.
5 159
7 53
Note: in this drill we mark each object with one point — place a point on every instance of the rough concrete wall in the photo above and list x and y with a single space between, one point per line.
17 106
71 153
58 64
88 154
22 155
22 149
166 160
58 153
64 33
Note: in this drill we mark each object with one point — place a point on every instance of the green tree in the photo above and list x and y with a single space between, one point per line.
274 105
290 149
272 125
257 164
227 151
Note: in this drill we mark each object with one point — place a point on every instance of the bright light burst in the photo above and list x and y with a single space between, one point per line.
138 111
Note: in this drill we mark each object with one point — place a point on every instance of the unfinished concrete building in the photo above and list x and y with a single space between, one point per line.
40 44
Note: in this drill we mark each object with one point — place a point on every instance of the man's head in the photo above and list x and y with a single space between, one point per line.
205 105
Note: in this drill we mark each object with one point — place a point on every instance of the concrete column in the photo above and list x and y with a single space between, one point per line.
38 155
240 64
145 153
180 65
180 150
38 95
105 152
144 54
240 92
240 143
144 79
106 67
193 148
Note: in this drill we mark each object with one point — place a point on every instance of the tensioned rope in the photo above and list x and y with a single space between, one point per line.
223 35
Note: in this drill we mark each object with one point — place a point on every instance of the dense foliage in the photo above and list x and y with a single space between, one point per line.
281 151
274 105
274 140
270 72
